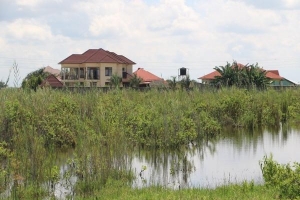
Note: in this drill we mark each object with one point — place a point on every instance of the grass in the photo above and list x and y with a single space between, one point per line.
242 191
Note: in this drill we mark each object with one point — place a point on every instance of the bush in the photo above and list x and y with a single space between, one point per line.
283 177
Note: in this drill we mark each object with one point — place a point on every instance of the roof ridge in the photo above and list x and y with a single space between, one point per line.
91 55
125 59
116 56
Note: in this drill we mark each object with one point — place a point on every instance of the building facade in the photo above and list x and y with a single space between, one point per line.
94 68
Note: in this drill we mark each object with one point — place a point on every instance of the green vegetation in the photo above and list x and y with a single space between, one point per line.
96 133
135 81
115 81
33 79
247 190
2 84
284 178
185 82
249 76
172 82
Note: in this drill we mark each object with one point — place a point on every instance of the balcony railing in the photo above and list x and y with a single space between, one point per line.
69 77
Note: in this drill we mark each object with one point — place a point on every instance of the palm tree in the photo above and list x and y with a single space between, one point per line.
115 80
226 78
185 82
135 81
255 77
261 81
34 79
172 82
248 76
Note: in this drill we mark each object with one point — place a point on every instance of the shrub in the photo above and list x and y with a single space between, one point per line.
283 177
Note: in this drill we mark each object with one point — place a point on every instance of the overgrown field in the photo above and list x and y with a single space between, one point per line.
101 128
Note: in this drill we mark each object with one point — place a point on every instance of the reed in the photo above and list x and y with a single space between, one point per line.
103 129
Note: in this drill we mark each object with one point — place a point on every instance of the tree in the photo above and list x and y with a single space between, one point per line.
248 76
115 80
2 84
256 77
230 74
34 79
185 82
135 81
172 82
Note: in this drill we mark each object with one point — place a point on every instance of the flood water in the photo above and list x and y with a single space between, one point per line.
232 158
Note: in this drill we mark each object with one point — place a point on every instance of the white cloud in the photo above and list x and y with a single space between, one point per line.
29 3
291 3
160 36
28 29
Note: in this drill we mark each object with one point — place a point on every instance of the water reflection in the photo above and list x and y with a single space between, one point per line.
233 157
169 168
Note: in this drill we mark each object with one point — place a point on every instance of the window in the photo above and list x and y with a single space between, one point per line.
81 73
108 71
93 73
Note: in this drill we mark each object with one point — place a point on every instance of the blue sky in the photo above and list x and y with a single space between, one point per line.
159 35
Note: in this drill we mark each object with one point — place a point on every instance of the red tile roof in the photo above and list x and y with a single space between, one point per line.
210 76
272 74
52 81
275 76
96 56
146 76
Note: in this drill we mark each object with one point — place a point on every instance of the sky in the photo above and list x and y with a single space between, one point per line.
160 36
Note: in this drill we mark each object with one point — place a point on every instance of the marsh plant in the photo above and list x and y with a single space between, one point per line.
103 129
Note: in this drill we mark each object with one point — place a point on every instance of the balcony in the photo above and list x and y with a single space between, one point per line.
69 77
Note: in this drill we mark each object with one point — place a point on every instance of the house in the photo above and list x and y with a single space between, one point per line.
94 68
52 81
50 70
148 79
273 75
279 83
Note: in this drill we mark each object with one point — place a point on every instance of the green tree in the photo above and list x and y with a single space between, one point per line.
230 75
115 80
255 77
2 84
185 82
248 76
135 81
34 79
172 82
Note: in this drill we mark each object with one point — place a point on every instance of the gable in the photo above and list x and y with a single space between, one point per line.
52 81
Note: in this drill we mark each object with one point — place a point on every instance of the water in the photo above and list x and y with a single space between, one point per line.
231 158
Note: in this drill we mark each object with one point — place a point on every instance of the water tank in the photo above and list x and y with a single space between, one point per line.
182 71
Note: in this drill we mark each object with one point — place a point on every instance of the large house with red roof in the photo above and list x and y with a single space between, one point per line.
94 68
273 75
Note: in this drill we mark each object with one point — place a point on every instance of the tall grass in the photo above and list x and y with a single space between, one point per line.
103 128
